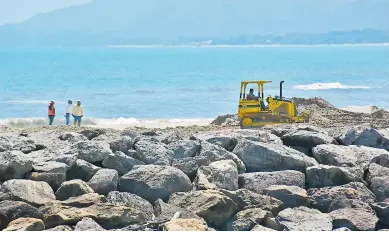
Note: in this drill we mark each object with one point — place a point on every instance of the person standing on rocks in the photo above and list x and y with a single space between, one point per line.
68 112
51 112
77 113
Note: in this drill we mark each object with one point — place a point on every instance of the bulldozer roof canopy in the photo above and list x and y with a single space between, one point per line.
255 82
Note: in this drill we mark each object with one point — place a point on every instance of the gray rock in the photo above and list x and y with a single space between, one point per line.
132 201
60 228
325 175
342 229
153 153
88 224
308 139
272 223
190 165
82 170
261 228
184 148
382 210
346 156
50 166
215 207
122 144
351 195
73 137
291 196
104 181
92 151
218 175
382 160
303 218
372 138
245 220
36 193
3 220
164 211
228 138
121 162
216 153
259 181
18 209
348 136
64 155
259 157
53 179
246 199
12 142
92 133
380 187
169 137
13 165
72 188
376 170
152 182
354 219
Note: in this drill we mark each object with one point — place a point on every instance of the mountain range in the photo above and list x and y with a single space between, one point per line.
108 22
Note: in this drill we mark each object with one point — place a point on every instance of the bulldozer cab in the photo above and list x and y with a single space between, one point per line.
252 102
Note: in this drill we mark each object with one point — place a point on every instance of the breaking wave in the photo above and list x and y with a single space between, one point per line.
333 85
116 123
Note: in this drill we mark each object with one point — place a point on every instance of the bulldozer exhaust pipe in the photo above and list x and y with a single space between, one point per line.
281 89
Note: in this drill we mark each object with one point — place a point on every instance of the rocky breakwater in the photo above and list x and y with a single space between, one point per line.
279 178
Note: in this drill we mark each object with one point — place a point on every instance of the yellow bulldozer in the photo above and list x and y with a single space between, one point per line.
253 111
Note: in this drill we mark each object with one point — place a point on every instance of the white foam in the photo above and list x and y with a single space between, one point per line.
115 123
331 85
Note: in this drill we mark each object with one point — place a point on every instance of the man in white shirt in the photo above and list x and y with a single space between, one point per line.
77 113
68 111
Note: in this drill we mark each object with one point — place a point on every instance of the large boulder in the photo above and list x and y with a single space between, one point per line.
25 224
246 219
246 199
164 211
382 210
259 181
65 155
355 219
104 181
291 196
73 210
376 170
12 142
18 209
380 187
151 152
122 144
73 137
261 228
181 224
348 135
215 153
215 207
346 156
132 201
308 139
82 170
351 195
229 138
60 228
184 148
13 165
325 175
72 188
372 138
88 224
218 175
152 182
121 162
303 218
382 160
36 193
262 157
190 165
92 151
53 179
50 166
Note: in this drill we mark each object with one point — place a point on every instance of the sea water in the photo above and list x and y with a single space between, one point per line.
131 85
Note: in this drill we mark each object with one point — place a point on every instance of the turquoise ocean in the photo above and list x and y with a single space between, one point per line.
132 85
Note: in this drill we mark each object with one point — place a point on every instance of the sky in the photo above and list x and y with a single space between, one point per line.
15 11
